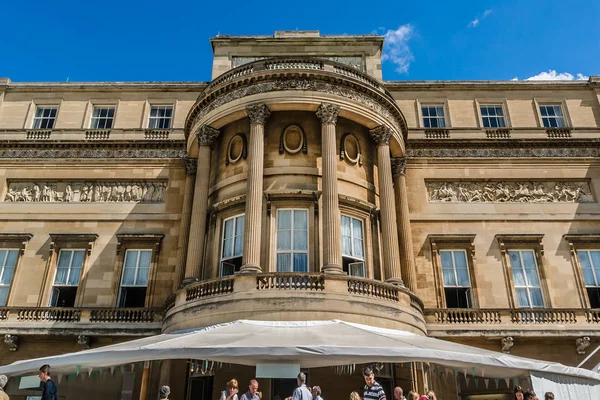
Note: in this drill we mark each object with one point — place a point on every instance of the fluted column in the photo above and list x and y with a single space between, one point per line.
191 164
391 257
195 245
258 115
332 229
407 257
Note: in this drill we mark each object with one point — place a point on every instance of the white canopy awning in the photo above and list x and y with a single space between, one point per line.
310 343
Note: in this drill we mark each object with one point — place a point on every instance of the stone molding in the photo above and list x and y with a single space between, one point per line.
207 135
191 166
57 240
398 166
358 159
16 239
509 192
327 113
258 113
155 150
243 150
86 192
283 140
153 239
381 135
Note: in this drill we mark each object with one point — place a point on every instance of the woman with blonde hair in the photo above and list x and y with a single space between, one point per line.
354 396
231 392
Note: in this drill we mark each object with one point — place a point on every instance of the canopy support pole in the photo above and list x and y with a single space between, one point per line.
145 381
589 356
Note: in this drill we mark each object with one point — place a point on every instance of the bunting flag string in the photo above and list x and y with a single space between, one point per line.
112 371
487 382
497 382
90 371
467 380
78 369
516 381
122 368
425 368
473 372
100 370
476 383
507 380
60 376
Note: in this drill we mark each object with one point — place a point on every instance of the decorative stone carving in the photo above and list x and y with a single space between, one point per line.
87 192
293 140
328 113
350 149
381 135
375 104
191 166
83 341
12 341
590 149
207 135
507 344
510 192
258 114
237 149
58 150
582 343
398 166
354 62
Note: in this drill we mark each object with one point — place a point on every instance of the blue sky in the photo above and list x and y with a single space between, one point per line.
168 40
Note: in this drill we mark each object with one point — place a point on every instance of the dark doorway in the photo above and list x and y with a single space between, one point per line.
200 388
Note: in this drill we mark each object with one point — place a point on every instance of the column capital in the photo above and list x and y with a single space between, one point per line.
328 113
258 113
398 166
191 165
381 135
207 135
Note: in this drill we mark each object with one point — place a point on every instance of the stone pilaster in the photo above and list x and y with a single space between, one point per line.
258 115
407 258
332 230
195 251
191 165
391 257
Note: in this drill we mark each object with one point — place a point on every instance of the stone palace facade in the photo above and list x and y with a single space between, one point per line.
298 185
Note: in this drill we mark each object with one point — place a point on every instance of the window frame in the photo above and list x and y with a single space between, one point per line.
578 242
3 268
143 241
362 226
528 286
100 106
19 242
292 251
436 105
453 242
562 103
150 118
35 118
72 250
532 242
222 243
493 102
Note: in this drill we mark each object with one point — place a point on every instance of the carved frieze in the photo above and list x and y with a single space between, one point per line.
86 192
351 61
510 192
69 151
527 150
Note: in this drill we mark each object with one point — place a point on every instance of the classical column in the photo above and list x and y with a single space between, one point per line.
191 164
258 115
407 258
391 257
332 224
195 245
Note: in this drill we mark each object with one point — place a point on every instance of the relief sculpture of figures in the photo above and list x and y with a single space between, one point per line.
510 192
86 192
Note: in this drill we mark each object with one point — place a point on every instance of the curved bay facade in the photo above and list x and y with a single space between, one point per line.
298 185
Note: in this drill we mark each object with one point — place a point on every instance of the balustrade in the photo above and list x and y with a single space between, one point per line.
209 289
290 282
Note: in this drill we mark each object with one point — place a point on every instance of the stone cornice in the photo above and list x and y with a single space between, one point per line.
571 148
119 87
94 150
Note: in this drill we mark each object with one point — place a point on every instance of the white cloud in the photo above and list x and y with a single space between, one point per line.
515 79
552 75
477 20
396 48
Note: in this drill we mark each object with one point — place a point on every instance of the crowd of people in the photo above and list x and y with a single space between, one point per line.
529 394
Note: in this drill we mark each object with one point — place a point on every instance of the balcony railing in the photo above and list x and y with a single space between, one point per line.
502 319
73 320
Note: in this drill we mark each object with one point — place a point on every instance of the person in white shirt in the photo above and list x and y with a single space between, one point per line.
301 392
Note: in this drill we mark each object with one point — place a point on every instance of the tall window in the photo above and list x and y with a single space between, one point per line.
590 266
134 281
552 116
292 240
8 262
353 253
455 272
160 117
492 116
433 116
526 278
44 117
232 245
103 117
68 272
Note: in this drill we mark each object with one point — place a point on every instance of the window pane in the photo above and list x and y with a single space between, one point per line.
284 262
227 250
128 276
543 111
595 258
142 277
528 259
61 276
425 111
300 240
131 259
484 111
74 276
238 246
228 229
463 277
446 258
64 258
536 298
78 256
346 226
515 260
357 229
588 277
3 296
3 254
300 262
11 259
284 240
449 278
347 246
358 249
519 277
522 299
145 258
239 226
7 274
300 219
532 277
460 260
284 219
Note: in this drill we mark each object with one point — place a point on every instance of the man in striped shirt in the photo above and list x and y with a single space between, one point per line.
373 390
